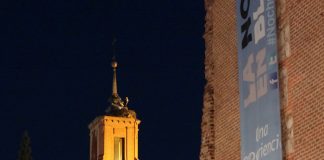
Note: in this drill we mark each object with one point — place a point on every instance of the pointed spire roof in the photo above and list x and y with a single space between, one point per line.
117 106
114 65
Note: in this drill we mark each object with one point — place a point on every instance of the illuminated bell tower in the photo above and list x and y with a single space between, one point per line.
114 136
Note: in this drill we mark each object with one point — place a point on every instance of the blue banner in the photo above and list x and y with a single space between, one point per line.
258 80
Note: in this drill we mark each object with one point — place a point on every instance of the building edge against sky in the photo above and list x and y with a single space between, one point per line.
300 43
114 136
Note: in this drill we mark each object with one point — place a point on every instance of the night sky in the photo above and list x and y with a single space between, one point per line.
55 74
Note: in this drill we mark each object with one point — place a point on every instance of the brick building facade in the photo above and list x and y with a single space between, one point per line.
300 32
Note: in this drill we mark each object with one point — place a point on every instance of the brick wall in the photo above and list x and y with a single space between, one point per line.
301 54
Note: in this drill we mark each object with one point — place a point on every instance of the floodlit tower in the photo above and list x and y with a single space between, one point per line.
114 136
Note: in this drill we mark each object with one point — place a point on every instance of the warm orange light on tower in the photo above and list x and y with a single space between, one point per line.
114 136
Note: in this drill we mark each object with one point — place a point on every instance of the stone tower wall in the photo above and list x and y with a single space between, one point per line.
300 31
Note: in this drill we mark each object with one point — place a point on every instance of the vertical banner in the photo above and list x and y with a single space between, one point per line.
258 80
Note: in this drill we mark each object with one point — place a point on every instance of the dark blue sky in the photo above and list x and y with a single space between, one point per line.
55 74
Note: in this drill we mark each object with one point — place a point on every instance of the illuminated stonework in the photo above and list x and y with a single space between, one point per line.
114 136
105 131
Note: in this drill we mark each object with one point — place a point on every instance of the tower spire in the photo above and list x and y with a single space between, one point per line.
117 107
114 65
114 84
